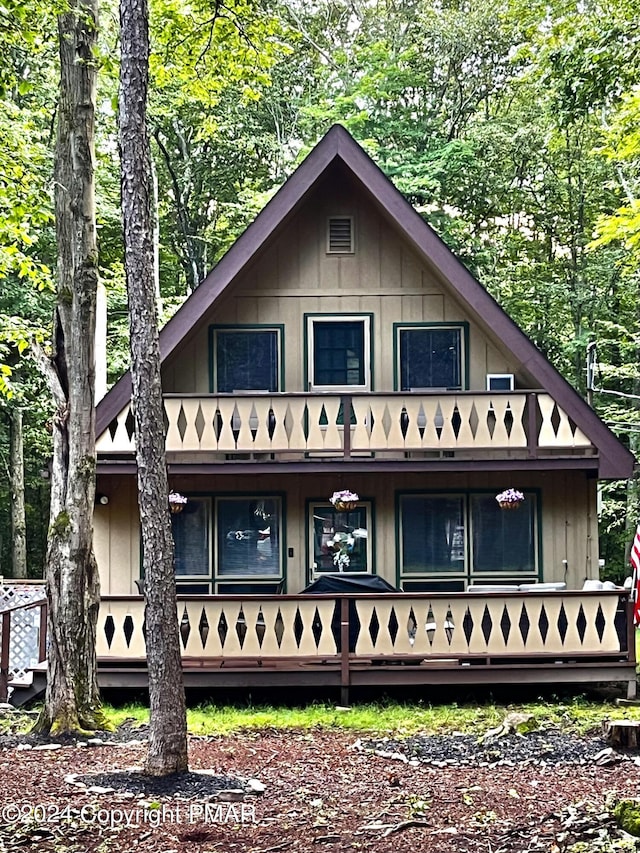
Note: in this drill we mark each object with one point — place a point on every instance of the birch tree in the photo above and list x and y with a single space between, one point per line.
16 480
168 726
72 699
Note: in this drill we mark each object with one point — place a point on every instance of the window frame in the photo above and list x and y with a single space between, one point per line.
247 328
217 576
202 577
500 377
461 326
212 580
461 573
309 340
470 574
313 572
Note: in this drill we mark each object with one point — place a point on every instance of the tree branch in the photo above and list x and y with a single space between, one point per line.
46 367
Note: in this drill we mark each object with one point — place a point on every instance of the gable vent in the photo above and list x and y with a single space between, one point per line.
340 237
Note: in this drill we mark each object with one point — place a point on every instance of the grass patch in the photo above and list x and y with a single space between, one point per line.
578 715
16 723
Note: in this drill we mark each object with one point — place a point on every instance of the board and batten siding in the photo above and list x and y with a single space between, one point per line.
116 536
569 521
295 275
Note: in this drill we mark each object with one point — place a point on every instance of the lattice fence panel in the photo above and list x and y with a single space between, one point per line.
24 647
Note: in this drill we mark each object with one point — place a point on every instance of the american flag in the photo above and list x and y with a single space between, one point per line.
634 559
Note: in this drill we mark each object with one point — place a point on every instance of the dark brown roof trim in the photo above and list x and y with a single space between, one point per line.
615 460
379 466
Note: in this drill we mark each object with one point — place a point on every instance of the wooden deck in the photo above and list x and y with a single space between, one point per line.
384 640
344 641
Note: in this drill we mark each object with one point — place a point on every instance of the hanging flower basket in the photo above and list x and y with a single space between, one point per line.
345 506
510 499
177 502
344 500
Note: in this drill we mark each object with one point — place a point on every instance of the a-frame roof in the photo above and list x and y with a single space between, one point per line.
337 146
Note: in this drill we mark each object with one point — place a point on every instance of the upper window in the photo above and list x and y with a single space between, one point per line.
339 352
499 381
340 235
430 356
245 359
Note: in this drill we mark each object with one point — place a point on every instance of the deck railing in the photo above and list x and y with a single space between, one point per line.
394 422
496 636
430 626
23 632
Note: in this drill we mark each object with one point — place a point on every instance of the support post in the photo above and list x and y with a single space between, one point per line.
346 420
532 436
344 651
42 651
5 638
632 684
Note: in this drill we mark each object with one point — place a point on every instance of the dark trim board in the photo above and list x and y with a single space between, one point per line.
373 465
294 673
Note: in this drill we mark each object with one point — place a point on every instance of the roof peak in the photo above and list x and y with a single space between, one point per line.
616 461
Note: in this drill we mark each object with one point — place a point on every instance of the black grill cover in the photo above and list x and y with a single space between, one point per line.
349 583
337 583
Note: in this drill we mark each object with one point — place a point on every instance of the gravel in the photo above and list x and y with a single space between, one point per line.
547 748
185 784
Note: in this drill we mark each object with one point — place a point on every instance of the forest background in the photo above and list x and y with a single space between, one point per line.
513 127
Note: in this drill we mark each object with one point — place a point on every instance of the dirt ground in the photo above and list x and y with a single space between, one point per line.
322 792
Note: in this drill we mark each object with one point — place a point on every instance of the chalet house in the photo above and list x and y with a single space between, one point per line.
340 345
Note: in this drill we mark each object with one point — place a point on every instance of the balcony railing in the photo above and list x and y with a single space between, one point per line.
347 640
301 424
547 625
389 639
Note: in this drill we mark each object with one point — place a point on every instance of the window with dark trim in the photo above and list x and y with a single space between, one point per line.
502 541
248 537
339 352
469 536
433 534
330 530
190 529
228 544
245 359
430 357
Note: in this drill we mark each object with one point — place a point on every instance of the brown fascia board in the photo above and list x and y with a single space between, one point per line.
275 213
615 460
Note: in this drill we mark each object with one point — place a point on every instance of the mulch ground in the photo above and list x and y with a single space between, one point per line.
325 791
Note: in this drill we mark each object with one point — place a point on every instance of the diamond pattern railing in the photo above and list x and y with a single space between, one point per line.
556 624
315 423
520 624
218 627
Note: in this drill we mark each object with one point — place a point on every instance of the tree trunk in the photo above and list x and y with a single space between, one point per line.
72 700
168 727
622 734
156 235
16 470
